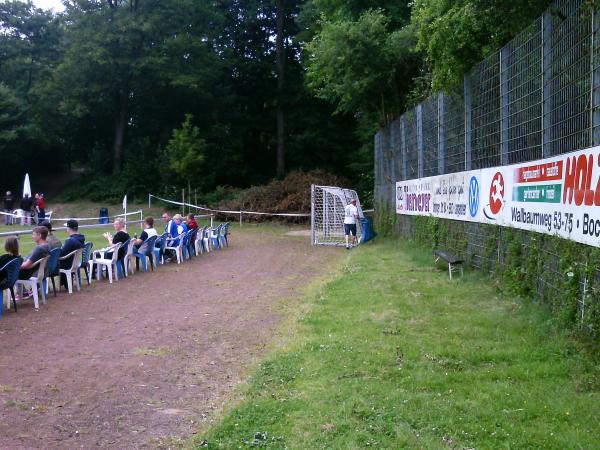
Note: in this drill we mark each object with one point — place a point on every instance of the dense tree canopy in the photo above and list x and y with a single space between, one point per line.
156 93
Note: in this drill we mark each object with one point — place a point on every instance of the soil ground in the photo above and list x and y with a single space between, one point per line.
143 362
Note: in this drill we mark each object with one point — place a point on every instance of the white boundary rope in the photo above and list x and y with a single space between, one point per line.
78 218
150 196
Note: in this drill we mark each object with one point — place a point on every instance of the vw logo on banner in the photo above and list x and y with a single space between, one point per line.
473 196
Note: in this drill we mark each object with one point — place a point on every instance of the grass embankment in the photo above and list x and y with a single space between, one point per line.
391 354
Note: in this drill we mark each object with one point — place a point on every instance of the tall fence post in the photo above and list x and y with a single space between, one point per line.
403 150
312 214
504 119
420 140
547 88
378 156
394 138
595 80
468 116
441 135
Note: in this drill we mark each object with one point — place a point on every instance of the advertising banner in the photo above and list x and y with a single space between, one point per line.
559 195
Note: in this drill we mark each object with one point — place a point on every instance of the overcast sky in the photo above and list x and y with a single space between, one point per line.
47 4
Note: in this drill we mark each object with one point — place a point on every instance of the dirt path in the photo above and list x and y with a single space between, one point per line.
141 363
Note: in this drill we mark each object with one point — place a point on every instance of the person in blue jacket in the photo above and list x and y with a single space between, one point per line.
75 241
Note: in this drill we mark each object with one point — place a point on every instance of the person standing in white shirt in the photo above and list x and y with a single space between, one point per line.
350 216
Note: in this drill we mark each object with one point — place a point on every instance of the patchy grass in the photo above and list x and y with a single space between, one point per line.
391 354
150 351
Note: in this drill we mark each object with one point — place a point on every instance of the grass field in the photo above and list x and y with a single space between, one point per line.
87 209
390 354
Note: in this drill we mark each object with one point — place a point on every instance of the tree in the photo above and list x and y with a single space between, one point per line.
357 65
117 47
456 34
186 150
280 64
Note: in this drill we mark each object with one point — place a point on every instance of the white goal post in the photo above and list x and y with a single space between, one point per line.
327 214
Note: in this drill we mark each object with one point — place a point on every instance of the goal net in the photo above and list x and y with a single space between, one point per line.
327 214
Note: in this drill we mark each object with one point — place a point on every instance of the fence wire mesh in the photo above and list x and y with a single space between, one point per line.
539 96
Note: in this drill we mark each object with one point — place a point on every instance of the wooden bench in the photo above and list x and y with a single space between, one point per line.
454 263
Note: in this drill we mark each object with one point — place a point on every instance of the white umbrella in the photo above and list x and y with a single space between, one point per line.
26 186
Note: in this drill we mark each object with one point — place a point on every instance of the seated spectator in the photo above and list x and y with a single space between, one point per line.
181 226
192 225
53 241
178 228
149 231
171 226
11 246
75 241
191 222
41 250
120 236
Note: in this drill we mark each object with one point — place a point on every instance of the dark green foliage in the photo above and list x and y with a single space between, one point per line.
107 84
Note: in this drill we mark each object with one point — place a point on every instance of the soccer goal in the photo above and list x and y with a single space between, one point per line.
327 214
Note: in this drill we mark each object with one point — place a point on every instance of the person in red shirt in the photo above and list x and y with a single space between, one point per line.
40 207
191 221
192 224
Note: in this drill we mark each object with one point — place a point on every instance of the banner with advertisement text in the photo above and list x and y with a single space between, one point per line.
558 196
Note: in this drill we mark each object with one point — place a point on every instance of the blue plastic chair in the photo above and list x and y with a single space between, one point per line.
214 237
188 244
121 269
159 248
52 267
85 257
146 251
223 235
12 274
191 246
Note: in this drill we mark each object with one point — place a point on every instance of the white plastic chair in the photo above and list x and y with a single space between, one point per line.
35 282
198 242
176 248
76 254
18 217
99 259
129 258
206 238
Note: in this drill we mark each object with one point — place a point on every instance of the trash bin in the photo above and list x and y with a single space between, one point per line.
103 216
367 229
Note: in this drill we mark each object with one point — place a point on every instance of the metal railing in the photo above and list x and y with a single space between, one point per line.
20 233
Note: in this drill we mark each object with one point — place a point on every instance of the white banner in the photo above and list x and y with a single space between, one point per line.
559 195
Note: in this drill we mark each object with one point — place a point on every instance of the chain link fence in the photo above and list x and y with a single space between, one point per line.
537 97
